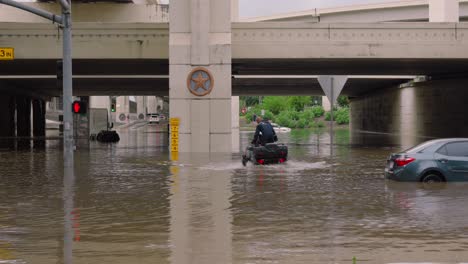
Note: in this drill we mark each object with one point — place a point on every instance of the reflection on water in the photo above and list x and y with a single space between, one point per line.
133 205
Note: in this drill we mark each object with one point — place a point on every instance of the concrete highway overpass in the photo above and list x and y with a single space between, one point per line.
132 59
143 56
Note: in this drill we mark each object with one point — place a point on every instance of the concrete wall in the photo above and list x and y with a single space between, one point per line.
416 113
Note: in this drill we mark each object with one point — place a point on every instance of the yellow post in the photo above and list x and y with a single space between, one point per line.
174 126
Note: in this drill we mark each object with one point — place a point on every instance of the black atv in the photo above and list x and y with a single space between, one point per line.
271 153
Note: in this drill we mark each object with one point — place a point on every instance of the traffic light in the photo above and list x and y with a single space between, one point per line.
112 107
79 107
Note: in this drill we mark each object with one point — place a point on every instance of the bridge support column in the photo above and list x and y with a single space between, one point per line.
7 120
412 114
235 124
99 102
141 107
444 11
123 109
200 74
39 122
23 121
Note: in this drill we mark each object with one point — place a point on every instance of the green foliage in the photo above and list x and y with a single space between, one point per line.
320 124
343 101
294 111
250 100
308 115
254 110
282 119
316 100
275 104
268 115
341 116
302 123
294 119
317 110
297 103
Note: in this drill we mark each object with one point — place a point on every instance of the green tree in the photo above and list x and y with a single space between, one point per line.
275 104
298 103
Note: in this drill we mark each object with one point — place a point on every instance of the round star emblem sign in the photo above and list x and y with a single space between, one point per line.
200 81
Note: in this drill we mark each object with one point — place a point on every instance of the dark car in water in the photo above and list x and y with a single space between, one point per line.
438 160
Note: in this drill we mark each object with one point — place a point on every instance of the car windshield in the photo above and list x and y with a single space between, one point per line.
421 147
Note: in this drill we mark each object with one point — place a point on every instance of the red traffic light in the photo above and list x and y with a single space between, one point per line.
78 107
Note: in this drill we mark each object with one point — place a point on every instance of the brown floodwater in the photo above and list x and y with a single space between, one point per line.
130 204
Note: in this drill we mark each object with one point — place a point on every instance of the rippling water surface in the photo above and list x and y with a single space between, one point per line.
131 204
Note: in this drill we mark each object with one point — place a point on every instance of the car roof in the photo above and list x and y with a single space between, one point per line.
451 139
431 143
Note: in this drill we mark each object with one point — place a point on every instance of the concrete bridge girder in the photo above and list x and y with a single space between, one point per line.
90 41
249 40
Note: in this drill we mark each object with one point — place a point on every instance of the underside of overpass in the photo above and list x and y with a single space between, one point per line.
37 77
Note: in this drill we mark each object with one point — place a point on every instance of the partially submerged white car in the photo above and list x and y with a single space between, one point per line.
279 129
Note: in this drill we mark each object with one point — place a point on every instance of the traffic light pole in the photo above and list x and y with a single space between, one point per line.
68 144
65 21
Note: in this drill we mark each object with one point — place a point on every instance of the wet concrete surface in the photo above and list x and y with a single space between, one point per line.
131 204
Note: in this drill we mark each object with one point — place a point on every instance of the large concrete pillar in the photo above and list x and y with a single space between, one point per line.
141 107
7 119
444 11
200 74
39 122
235 99
122 109
152 104
235 124
23 121
100 102
234 10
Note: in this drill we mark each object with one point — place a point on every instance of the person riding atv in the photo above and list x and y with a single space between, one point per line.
264 133
263 149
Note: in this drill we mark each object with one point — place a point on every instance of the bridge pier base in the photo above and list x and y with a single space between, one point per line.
413 114
235 124
23 121
7 120
39 122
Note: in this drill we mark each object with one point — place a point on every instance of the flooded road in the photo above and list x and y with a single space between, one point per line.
131 204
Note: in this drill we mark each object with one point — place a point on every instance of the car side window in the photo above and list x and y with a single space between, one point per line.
457 149
443 150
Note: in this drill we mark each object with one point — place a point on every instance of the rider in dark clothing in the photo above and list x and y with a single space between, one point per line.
264 133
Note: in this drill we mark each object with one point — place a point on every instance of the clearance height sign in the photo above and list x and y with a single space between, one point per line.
174 124
7 53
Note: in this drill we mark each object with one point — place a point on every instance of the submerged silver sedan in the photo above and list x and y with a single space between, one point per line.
437 160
